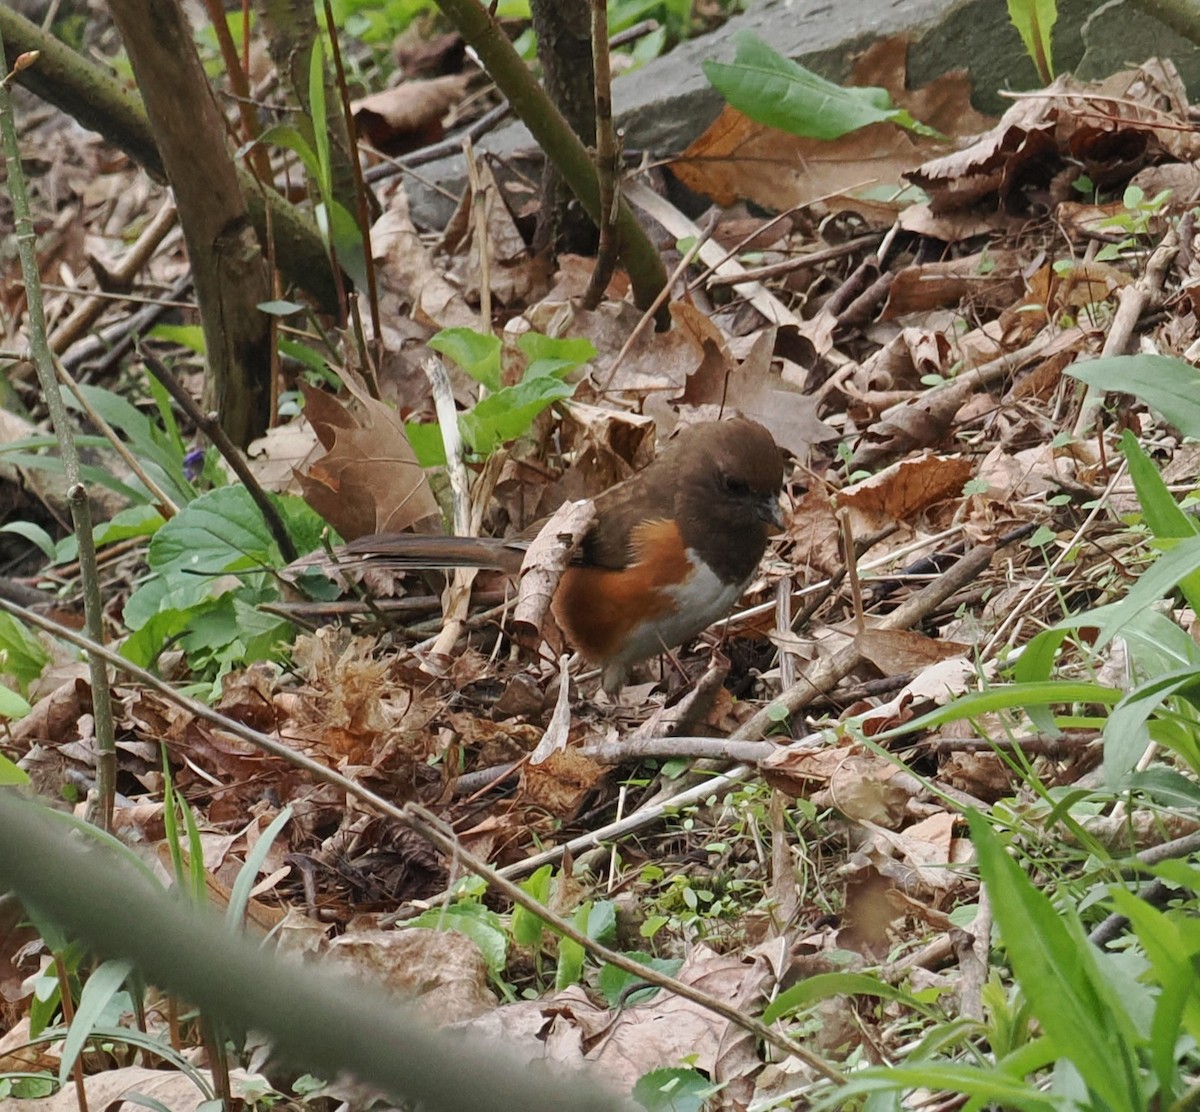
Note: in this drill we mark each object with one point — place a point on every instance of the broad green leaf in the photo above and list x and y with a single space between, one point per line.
1125 735
476 922
549 356
1170 386
1056 968
476 353
10 773
425 439
614 982
12 706
571 954
527 927
220 531
674 1090
21 656
133 521
508 413
35 534
1034 21
777 92
1166 787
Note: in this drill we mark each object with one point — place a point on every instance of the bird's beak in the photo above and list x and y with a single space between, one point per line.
771 512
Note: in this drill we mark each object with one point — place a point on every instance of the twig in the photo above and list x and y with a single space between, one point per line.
1132 304
95 302
362 205
229 452
165 504
458 590
43 361
608 167
479 201
836 667
797 262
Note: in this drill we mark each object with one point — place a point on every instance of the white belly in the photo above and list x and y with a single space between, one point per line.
700 601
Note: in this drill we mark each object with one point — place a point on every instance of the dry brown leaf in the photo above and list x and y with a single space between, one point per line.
753 391
896 651
1106 130
410 116
903 491
561 782
369 480
441 972
989 280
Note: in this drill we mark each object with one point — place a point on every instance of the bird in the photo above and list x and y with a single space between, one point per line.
670 551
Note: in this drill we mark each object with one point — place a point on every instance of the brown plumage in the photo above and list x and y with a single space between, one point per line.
672 548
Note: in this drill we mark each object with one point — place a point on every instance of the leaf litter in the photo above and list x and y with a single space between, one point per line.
923 341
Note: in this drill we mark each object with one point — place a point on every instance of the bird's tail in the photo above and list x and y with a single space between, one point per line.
403 551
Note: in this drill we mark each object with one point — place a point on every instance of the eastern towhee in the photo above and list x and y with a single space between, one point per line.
671 550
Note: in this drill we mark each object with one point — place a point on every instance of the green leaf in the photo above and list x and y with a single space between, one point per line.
476 922
12 705
527 926
673 1090
1159 579
1166 787
425 439
549 356
822 985
35 534
1162 513
1007 697
288 137
614 982
1034 21
1170 386
101 987
280 307
476 353
509 413
1056 968
190 336
133 521
21 656
773 90
220 531
239 894
10 773
569 969
1125 734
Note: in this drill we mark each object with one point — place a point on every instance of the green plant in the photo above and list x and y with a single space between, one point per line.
777 92
212 567
1034 21
1135 221
503 413
1114 1030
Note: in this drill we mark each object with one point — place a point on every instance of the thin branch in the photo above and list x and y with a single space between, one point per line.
231 454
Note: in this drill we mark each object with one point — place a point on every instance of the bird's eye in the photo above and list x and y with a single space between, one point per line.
734 485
